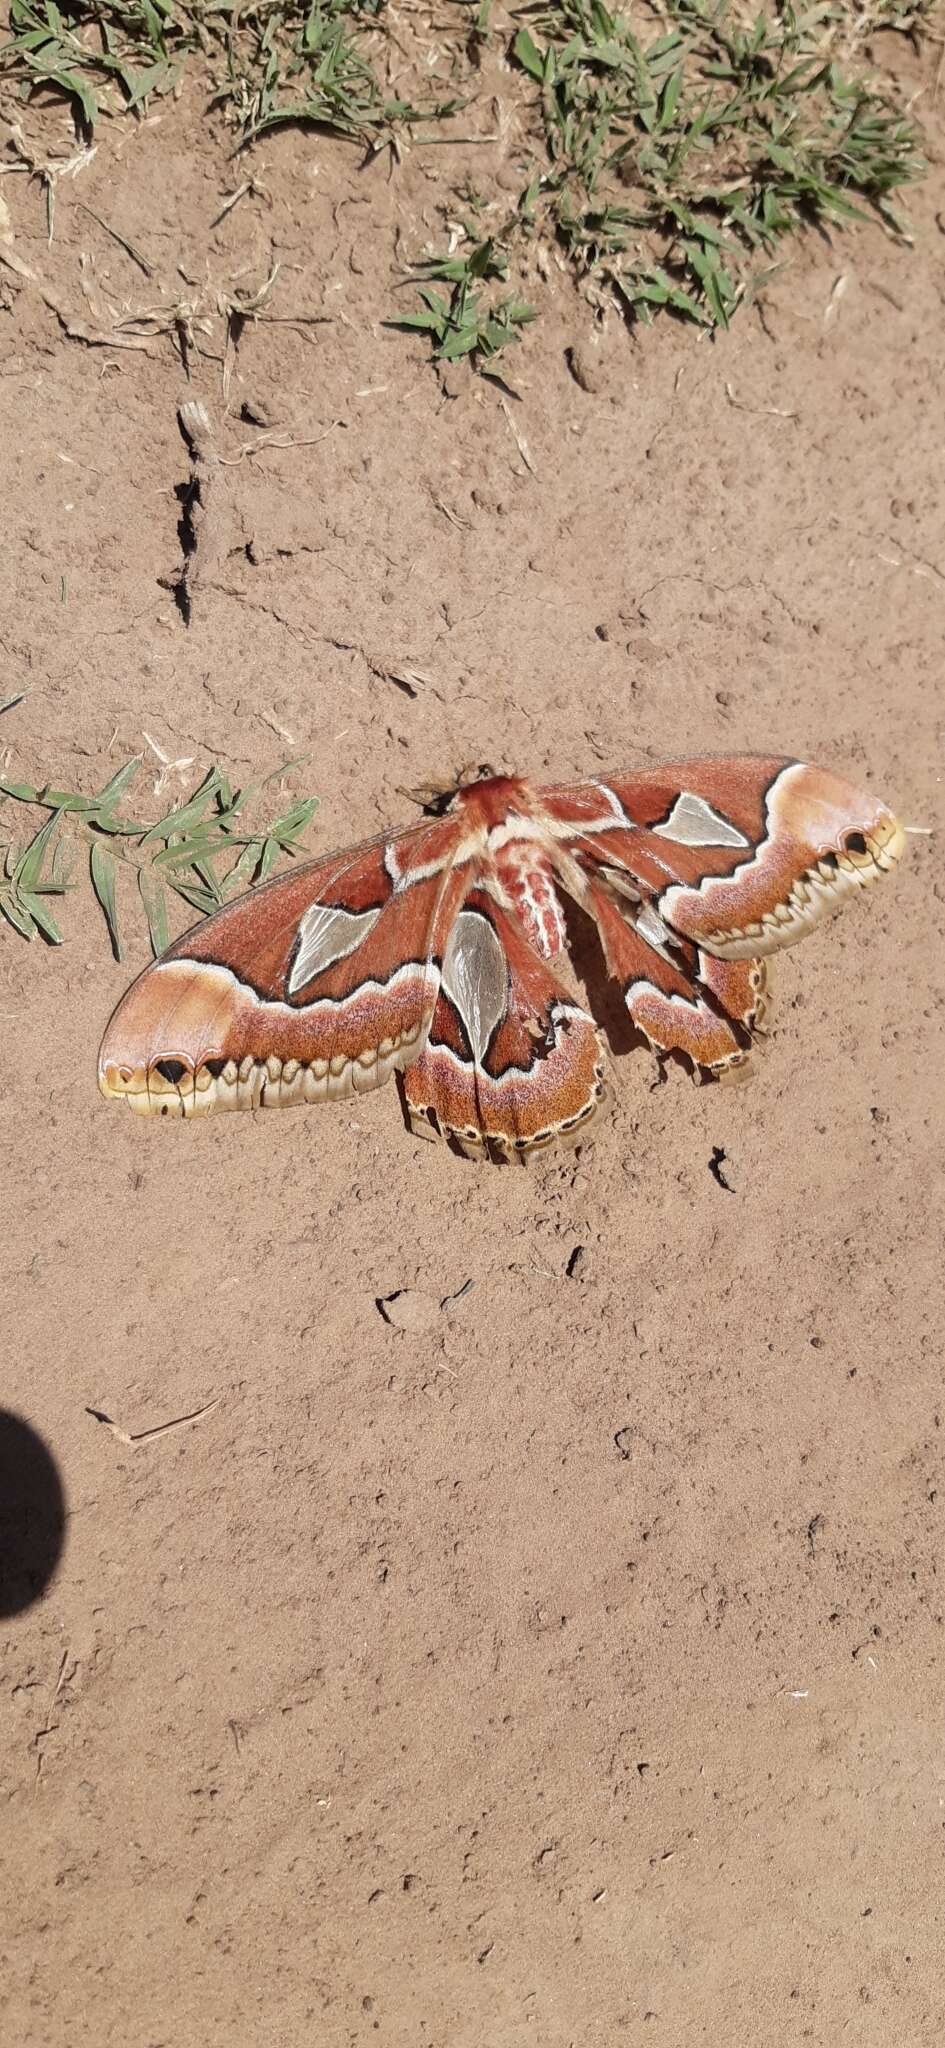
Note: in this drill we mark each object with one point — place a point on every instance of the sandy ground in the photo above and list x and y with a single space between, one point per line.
568 1671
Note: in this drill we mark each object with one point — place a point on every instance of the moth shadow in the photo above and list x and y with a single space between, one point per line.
604 997
606 1003
426 1126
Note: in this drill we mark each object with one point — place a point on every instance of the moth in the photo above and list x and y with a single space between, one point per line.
438 952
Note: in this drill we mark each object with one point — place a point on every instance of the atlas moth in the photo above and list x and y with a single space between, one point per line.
439 952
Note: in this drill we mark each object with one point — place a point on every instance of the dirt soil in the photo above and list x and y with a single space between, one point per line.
568 1667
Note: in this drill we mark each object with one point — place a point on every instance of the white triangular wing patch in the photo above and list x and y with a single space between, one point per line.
327 934
693 822
476 978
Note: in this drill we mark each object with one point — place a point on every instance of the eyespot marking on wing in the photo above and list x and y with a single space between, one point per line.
475 977
693 822
327 933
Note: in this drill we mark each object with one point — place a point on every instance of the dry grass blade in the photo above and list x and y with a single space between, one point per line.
143 1436
122 240
519 439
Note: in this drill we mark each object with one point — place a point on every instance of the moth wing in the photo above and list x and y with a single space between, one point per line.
317 984
741 855
681 999
512 1063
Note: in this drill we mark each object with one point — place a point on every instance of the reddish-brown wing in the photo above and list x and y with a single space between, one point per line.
742 856
326 980
512 1064
681 999
696 870
318 984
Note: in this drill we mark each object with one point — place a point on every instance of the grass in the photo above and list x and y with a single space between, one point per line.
267 63
201 851
98 57
674 151
288 63
678 162
672 148
468 322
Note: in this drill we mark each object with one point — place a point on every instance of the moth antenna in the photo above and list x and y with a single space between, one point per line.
920 831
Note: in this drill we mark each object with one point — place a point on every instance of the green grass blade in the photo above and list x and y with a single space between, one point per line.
16 914
41 917
184 815
29 868
109 796
154 899
102 865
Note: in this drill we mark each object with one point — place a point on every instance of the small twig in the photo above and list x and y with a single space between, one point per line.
839 288
460 141
204 525
252 186
776 412
453 517
450 1300
299 320
140 1436
169 768
519 439
76 330
122 240
277 441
